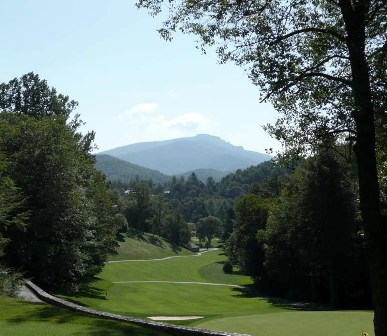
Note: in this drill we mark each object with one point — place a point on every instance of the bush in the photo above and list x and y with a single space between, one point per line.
10 282
227 267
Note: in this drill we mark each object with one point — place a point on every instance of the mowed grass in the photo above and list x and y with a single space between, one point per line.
300 323
146 246
143 288
124 287
19 318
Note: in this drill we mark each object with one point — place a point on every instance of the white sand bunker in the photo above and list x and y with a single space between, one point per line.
174 318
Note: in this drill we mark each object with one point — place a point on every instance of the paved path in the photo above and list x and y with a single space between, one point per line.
179 282
166 258
26 294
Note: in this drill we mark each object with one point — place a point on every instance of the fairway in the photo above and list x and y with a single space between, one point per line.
196 285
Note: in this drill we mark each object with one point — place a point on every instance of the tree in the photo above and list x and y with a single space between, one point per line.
177 230
314 221
207 228
11 201
159 208
243 247
323 66
139 207
71 227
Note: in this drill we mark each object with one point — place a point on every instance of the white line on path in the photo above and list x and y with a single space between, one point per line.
178 282
166 258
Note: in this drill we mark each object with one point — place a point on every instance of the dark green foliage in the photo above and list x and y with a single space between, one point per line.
12 217
70 228
227 267
243 247
242 181
31 96
208 228
313 242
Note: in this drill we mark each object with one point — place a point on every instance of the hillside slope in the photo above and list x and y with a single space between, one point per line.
116 169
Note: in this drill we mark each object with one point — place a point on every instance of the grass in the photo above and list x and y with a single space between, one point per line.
300 323
146 246
121 288
214 242
19 318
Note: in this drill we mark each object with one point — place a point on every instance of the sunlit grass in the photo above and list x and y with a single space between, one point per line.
299 323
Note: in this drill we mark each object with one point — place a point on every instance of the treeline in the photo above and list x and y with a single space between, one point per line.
302 238
58 221
178 209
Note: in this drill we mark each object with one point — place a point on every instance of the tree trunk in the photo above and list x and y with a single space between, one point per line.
375 228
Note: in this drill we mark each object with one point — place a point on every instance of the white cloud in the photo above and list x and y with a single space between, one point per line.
144 124
189 120
142 108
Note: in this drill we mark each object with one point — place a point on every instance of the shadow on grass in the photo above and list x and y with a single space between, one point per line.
86 290
56 318
250 291
155 240
176 248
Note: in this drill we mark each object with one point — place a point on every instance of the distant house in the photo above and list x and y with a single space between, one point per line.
192 247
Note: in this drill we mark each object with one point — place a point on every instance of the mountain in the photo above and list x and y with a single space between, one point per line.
116 169
178 156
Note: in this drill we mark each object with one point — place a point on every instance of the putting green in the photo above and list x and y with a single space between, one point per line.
297 323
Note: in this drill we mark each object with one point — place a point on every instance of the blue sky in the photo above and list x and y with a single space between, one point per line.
131 85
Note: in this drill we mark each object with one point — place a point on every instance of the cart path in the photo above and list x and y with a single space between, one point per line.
26 294
166 258
178 282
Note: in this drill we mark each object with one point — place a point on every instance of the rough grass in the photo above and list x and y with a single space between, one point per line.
19 318
146 246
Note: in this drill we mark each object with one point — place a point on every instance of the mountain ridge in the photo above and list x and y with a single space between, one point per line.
181 155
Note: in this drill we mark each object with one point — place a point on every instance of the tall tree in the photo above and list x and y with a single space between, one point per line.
322 63
207 228
313 220
71 226
243 247
11 217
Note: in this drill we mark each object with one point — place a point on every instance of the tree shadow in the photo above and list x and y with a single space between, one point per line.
90 326
156 240
250 291
85 290
176 248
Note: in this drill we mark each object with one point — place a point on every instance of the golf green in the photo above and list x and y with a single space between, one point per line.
297 323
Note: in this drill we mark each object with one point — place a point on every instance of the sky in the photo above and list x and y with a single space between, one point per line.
131 85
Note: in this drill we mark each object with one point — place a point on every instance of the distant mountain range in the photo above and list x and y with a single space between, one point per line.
202 153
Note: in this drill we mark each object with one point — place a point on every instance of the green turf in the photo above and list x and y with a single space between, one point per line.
204 268
121 288
146 246
19 318
299 323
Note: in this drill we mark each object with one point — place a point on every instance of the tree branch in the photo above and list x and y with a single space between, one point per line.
310 30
